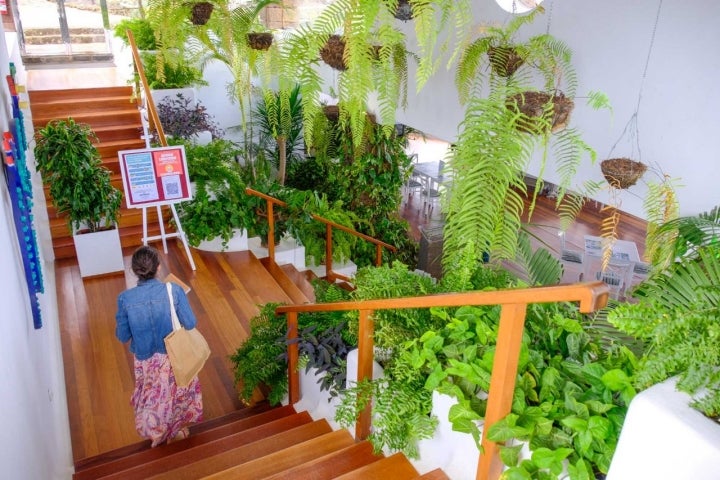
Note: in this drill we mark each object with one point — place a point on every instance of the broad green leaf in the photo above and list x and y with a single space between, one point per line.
576 424
615 380
515 473
599 427
510 456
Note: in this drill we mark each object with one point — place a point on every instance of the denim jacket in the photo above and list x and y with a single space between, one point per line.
143 316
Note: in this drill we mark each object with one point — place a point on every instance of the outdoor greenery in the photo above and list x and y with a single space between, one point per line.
79 185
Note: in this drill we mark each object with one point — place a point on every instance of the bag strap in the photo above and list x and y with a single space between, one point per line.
173 315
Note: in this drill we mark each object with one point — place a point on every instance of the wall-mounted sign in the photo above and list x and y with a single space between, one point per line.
154 176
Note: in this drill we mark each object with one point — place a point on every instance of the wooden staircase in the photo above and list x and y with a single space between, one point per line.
259 442
255 443
114 116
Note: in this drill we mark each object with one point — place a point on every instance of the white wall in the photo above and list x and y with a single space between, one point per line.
610 40
35 439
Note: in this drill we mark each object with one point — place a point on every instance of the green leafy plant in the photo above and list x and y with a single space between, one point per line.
222 38
220 204
70 165
374 53
278 117
676 316
259 360
498 138
161 74
141 30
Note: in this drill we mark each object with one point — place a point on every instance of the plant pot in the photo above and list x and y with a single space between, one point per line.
332 112
332 52
533 104
622 172
504 61
99 252
660 423
404 11
260 40
200 12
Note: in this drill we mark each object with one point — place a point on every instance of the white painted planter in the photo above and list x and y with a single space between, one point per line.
663 438
237 243
99 253
287 251
159 95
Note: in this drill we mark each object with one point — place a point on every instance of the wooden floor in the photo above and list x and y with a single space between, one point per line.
226 291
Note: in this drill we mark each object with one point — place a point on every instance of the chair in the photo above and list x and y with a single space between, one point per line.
569 256
615 274
413 183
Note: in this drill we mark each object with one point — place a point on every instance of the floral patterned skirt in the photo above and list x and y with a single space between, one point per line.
162 408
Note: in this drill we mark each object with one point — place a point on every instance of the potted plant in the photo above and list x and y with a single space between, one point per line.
278 117
219 211
676 317
81 188
182 118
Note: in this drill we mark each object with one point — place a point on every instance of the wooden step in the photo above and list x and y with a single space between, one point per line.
110 148
396 467
436 474
119 132
286 283
215 424
331 465
95 119
297 454
301 280
226 464
58 106
47 96
178 454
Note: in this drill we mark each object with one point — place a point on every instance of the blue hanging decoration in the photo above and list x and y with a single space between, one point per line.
14 143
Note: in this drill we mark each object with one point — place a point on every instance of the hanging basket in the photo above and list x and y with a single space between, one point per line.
532 105
504 61
200 12
332 112
332 52
622 172
404 11
260 40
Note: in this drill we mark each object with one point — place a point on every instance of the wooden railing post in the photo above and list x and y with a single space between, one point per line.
378 255
328 251
153 116
293 375
366 348
271 231
502 384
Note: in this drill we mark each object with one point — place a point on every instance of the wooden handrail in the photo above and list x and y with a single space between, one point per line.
329 226
591 297
153 116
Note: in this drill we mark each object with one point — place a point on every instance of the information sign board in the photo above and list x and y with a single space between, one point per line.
155 176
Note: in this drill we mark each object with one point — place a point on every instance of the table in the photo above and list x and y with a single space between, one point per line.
431 176
624 256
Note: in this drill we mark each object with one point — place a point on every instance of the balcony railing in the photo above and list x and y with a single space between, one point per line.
329 226
513 303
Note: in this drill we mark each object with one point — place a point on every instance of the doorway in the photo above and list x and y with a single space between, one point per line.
60 31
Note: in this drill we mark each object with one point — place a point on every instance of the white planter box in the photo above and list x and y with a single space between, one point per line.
664 438
238 243
99 253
